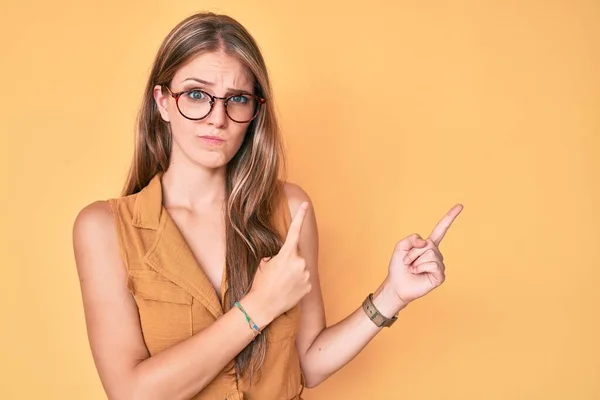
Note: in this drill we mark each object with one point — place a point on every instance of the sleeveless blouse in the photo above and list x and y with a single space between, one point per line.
176 300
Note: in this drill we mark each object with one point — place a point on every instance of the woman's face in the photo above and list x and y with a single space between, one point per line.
219 75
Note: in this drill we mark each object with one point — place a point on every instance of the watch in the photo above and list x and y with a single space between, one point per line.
374 315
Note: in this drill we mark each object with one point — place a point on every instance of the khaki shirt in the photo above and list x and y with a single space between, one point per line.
176 300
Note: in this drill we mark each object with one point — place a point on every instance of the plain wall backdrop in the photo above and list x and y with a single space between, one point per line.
392 112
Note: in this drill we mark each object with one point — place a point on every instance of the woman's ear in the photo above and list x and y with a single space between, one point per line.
162 101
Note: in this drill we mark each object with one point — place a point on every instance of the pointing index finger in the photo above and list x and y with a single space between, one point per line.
293 235
443 225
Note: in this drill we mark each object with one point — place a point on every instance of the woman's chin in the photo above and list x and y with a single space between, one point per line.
213 161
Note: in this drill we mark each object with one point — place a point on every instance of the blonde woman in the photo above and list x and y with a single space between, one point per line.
201 280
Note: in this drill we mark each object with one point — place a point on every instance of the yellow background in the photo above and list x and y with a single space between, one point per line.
392 112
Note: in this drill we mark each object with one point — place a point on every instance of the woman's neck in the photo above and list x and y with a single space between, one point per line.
193 188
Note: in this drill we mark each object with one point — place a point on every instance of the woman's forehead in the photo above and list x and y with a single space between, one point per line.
218 69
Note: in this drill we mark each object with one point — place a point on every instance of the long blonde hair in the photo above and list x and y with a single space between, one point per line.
254 176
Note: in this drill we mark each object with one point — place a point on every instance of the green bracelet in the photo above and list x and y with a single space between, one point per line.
248 319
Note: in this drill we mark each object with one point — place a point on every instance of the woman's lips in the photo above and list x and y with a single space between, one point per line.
212 139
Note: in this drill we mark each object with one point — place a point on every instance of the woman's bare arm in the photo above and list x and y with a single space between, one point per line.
126 369
324 350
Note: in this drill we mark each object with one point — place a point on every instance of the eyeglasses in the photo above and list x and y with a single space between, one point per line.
196 104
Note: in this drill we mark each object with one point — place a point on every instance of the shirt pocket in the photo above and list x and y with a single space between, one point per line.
165 309
285 326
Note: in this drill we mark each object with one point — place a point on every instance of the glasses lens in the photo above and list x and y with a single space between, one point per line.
194 104
242 108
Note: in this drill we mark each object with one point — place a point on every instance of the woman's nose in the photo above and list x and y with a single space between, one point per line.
218 115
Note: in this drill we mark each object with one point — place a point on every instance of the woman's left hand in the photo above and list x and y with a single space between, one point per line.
417 265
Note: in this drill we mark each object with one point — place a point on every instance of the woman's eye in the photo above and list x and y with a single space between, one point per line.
239 99
196 95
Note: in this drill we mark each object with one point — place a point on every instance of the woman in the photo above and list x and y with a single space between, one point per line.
197 283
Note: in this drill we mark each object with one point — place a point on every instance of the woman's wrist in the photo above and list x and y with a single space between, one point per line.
259 310
386 301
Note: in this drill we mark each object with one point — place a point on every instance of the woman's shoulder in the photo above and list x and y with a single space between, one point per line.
295 195
92 219
97 211
100 215
93 234
294 192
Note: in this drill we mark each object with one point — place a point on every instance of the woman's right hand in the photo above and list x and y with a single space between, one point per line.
282 281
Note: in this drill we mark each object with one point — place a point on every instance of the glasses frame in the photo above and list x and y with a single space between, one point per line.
212 102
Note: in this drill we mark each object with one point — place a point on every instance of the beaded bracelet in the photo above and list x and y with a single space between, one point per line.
251 323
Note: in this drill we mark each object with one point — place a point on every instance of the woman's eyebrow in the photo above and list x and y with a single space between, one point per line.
202 81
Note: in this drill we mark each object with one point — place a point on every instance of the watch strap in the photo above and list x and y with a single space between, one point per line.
374 315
